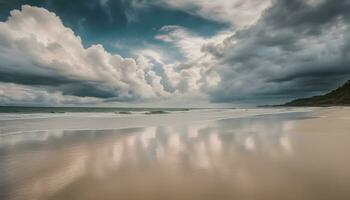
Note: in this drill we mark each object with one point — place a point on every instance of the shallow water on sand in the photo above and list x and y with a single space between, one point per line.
249 158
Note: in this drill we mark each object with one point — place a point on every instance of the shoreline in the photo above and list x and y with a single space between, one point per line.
110 121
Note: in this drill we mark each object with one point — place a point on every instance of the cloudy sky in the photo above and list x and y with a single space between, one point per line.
171 52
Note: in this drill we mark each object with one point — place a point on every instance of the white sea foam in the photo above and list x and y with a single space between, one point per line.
20 123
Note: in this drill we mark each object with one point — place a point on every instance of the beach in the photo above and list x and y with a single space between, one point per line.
245 154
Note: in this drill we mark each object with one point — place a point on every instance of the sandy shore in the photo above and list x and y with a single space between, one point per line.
334 120
290 156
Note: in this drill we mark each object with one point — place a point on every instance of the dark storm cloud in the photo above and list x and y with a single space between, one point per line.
305 17
297 48
32 79
85 89
73 87
305 21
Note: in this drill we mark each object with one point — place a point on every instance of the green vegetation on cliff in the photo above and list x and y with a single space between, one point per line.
338 97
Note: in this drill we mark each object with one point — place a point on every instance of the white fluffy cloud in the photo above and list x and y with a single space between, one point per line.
198 72
35 43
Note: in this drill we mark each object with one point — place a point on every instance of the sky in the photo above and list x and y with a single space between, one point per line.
175 53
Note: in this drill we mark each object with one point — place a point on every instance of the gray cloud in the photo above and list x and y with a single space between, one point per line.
14 94
305 17
294 49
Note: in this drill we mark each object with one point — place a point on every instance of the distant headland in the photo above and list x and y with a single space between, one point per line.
337 97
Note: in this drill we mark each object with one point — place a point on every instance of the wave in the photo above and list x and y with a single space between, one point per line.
61 110
157 112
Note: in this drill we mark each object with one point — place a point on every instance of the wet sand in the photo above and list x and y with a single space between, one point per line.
301 156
